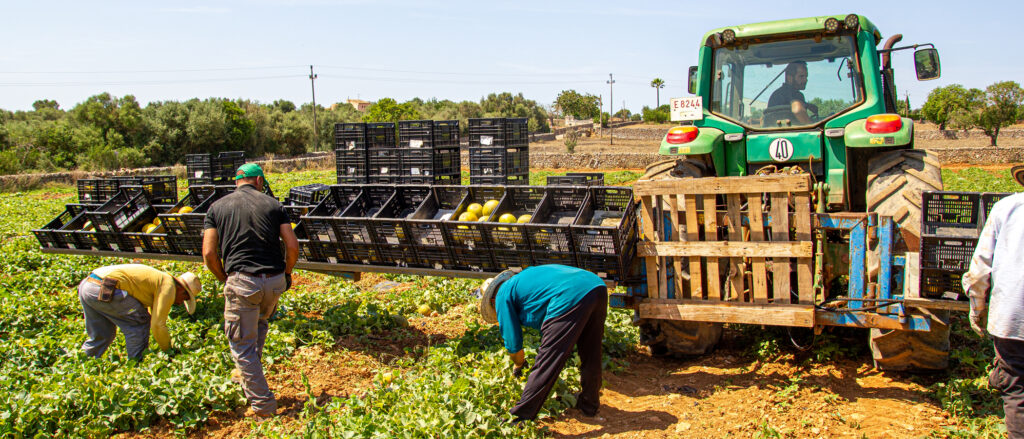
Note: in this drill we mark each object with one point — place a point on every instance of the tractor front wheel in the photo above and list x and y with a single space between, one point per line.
677 338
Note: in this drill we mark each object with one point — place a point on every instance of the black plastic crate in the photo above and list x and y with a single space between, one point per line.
424 226
384 163
296 211
380 135
430 162
209 169
154 242
446 133
48 236
161 194
317 221
509 241
310 194
350 136
503 180
186 244
989 199
945 210
226 164
517 131
605 231
122 213
550 230
353 224
947 253
448 180
416 134
936 284
351 180
350 163
469 240
486 132
389 226
577 179
199 199
493 161
97 190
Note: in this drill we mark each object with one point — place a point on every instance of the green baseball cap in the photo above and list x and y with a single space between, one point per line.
248 170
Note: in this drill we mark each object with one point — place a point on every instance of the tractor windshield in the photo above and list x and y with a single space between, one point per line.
786 84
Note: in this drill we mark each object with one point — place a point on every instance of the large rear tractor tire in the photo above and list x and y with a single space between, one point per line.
895 182
677 338
895 350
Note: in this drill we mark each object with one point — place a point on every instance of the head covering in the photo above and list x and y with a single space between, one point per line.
487 292
190 282
249 170
1018 174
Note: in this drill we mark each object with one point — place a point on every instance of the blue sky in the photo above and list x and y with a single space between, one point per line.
456 50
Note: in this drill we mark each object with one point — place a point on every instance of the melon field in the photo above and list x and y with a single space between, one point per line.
408 356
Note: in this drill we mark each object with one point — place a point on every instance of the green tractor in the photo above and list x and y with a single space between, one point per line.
814 96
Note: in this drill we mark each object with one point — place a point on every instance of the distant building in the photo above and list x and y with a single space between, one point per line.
359 105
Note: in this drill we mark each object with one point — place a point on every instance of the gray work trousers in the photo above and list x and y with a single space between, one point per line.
248 302
103 318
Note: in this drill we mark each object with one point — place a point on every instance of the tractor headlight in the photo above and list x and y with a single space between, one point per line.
729 36
831 25
852 21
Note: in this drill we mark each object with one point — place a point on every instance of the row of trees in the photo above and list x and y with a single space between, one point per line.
110 132
954 106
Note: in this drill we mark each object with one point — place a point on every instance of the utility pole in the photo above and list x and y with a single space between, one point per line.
611 108
312 86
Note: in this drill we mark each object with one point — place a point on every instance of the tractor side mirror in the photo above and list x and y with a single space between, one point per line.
926 63
691 80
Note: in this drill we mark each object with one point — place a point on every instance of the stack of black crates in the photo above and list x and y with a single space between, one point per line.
422 152
209 169
499 151
950 225
429 151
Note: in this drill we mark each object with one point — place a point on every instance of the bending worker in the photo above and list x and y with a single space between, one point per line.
136 298
995 285
242 247
568 305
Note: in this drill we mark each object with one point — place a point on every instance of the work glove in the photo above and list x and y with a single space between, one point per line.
287 281
518 371
979 316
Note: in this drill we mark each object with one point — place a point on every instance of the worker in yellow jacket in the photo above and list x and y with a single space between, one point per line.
135 298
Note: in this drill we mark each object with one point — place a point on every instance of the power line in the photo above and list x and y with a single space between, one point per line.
107 72
151 82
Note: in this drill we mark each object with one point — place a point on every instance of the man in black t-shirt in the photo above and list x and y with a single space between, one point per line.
242 248
788 102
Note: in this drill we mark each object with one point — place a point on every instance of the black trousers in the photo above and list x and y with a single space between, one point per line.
582 327
1008 377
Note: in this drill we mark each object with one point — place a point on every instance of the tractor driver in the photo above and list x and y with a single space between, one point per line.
789 98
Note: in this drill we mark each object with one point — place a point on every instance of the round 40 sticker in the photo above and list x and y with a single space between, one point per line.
781 150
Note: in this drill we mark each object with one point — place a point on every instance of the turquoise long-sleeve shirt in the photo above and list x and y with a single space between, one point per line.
536 295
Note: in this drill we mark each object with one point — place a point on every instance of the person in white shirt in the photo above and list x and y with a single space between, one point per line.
995 285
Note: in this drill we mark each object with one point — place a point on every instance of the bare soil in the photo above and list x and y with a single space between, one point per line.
729 393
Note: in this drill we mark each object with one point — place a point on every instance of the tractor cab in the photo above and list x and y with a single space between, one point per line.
809 95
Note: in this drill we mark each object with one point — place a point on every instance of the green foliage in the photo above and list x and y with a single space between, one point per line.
656 115
979 180
388 110
460 388
828 107
658 84
580 106
999 106
104 131
944 102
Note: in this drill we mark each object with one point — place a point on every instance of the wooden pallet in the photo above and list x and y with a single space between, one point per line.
718 245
